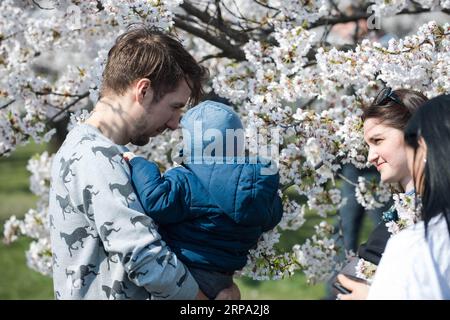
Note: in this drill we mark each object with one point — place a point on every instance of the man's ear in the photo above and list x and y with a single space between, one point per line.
143 90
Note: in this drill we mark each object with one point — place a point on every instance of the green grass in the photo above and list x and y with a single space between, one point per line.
15 204
17 280
20 282
15 195
294 288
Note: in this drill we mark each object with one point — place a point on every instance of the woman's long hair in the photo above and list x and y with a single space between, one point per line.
432 122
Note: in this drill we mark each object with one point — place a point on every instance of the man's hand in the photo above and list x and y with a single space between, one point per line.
359 290
230 293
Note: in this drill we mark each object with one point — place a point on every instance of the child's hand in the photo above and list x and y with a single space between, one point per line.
128 156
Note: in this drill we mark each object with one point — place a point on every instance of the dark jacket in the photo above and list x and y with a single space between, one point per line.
373 249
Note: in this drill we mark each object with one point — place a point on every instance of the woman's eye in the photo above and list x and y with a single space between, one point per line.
377 141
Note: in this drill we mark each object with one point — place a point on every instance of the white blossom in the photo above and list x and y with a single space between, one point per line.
11 230
318 255
293 215
408 212
39 256
39 167
35 224
371 194
365 270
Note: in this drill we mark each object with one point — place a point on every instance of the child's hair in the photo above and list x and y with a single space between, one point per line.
396 108
432 123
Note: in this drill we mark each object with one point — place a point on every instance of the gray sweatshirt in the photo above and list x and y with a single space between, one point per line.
104 246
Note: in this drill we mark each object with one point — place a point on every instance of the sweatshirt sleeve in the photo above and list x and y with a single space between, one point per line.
125 230
164 198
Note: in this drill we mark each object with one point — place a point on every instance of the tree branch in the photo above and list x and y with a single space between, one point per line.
212 56
218 23
39 6
2 37
7 104
45 93
266 5
362 15
235 51
5 152
80 97
229 50
334 5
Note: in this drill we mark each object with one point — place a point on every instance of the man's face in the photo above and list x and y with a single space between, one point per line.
153 118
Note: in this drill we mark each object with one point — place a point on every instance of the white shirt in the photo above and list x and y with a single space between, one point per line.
413 268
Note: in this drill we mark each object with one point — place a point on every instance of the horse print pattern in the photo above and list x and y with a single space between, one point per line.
89 137
105 231
109 153
158 294
144 220
66 169
127 258
118 288
125 190
51 222
87 202
134 275
55 260
76 236
183 277
79 275
65 204
110 259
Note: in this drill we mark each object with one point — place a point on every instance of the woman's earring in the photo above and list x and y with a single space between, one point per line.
425 160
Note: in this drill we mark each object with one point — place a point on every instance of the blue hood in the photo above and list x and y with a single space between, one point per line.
206 125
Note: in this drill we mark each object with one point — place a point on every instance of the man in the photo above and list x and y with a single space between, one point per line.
104 246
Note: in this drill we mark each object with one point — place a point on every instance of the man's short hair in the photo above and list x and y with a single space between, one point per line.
149 52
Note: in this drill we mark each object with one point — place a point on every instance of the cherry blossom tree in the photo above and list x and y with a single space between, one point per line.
271 59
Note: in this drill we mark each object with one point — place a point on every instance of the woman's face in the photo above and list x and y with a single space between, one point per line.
387 151
416 163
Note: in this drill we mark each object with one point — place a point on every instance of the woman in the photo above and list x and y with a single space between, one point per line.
416 263
384 122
